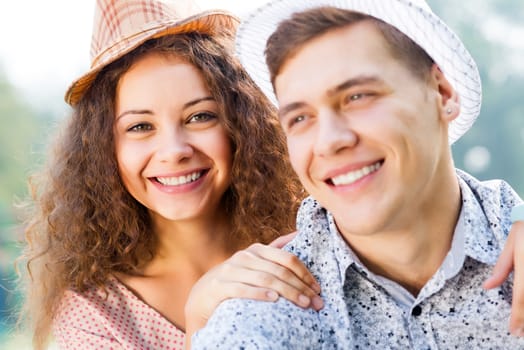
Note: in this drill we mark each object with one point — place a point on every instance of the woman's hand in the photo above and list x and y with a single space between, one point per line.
512 257
260 272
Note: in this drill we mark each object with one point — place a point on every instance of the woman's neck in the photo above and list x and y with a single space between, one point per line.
196 245
184 251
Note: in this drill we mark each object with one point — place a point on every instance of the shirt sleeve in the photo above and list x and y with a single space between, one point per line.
249 324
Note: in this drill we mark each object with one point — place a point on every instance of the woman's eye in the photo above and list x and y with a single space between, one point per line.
201 117
141 127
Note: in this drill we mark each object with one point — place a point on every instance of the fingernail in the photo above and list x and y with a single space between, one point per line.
303 300
272 295
317 302
519 332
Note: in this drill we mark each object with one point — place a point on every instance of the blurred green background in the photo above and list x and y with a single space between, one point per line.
492 30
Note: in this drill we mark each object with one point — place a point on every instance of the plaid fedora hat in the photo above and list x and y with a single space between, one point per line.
121 25
414 18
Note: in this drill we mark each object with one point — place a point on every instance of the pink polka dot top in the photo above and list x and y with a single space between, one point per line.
120 321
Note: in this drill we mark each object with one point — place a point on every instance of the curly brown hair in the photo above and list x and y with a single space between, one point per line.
86 225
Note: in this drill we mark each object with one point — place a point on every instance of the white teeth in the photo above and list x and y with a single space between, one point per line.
353 176
179 180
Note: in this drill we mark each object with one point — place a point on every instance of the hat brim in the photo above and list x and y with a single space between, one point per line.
413 18
213 22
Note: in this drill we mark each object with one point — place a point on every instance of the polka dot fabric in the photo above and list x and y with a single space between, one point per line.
118 320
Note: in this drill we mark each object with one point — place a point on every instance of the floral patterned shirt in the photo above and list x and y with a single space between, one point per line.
365 311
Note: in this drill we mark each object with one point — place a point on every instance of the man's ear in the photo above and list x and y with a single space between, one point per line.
448 99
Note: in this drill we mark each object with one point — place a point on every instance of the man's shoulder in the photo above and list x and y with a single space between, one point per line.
495 197
486 211
495 192
251 324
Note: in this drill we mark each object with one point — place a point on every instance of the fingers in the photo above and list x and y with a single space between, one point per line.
233 289
517 306
512 257
288 261
261 285
504 264
271 268
283 282
283 240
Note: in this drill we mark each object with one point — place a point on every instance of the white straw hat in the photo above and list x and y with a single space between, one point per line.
414 18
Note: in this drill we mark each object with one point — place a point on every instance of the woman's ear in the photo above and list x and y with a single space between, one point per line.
448 99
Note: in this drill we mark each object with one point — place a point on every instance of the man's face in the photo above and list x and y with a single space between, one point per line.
364 134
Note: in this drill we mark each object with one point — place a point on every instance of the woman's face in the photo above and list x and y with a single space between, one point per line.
173 153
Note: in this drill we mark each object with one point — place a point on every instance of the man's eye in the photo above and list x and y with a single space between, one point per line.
296 120
353 97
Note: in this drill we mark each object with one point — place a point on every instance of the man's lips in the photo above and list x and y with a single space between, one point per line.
353 176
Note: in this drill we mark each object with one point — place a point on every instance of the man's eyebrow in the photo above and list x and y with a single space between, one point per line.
289 107
365 79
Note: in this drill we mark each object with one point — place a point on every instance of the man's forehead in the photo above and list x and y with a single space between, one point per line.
336 60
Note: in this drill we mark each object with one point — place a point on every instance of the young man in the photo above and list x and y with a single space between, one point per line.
371 95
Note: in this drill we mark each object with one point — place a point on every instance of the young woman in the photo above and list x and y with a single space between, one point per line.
171 162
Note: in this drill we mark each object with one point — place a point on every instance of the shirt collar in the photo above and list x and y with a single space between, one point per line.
472 237
343 253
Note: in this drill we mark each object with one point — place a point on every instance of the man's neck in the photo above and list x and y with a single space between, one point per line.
411 255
